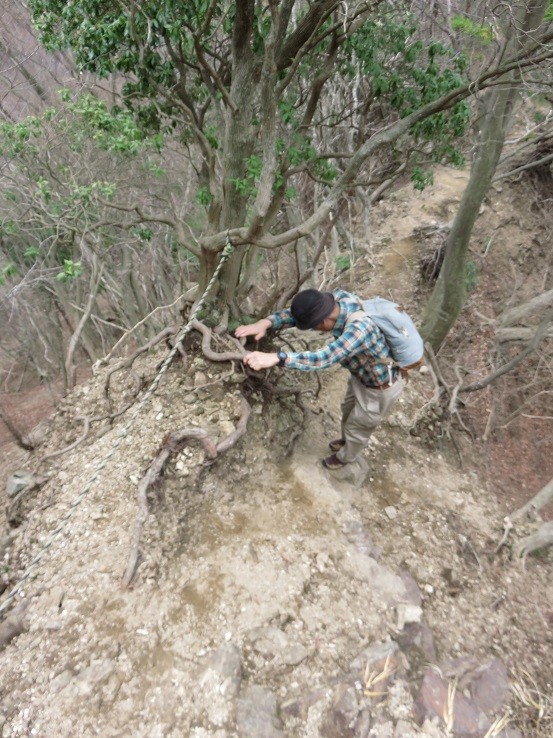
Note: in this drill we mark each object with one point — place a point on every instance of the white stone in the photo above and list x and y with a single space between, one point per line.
407 613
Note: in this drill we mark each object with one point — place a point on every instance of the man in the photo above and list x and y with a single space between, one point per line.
358 345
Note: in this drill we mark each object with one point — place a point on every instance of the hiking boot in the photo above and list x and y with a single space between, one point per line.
333 462
337 444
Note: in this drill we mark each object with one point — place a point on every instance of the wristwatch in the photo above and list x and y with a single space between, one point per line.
281 358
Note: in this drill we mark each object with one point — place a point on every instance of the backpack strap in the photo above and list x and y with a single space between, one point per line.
386 360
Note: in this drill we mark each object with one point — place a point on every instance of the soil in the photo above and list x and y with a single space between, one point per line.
268 588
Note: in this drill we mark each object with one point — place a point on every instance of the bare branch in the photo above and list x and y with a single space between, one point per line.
539 335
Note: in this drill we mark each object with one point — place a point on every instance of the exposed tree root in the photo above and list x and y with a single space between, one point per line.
212 355
176 440
443 408
173 443
541 499
165 333
542 538
86 428
87 422
171 331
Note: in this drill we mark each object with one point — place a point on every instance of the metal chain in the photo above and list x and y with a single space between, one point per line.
122 433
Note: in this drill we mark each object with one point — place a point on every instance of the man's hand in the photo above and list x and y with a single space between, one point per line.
257 330
257 360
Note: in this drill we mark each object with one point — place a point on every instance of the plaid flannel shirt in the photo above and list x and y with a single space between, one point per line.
357 346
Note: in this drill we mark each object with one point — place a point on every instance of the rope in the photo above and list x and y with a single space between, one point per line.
227 251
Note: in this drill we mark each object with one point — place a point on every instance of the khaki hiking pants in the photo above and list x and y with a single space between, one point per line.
363 409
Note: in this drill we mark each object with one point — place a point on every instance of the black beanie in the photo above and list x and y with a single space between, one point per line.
311 307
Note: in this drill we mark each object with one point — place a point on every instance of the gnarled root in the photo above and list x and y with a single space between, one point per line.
80 439
212 355
541 539
541 499
165 333
173 443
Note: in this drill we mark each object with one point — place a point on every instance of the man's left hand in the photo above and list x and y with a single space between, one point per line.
257 360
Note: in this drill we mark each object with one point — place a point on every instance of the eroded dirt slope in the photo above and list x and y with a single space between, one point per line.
274 598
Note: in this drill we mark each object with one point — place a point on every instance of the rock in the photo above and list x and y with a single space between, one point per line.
391 512
363 725
385 585
18 481
412 590
299 707
200 379
294 654
268 641
219 683
5 543
273 643
434 700
407 613
374 657
489 688
10 629
14 624
418 637
256 714
60 681
342 719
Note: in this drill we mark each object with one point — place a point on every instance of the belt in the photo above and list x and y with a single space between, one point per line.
383 386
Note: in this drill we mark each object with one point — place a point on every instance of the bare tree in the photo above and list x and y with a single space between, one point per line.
523 31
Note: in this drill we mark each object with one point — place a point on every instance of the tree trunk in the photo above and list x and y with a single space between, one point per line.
448 296
239 140
70 368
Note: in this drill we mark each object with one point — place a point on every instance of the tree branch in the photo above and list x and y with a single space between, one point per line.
539 335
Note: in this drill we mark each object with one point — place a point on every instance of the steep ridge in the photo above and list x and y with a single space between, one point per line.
272 598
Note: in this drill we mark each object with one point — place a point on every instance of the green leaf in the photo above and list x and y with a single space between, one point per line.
10 270
71 270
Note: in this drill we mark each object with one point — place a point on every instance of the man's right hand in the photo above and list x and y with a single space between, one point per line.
257 330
